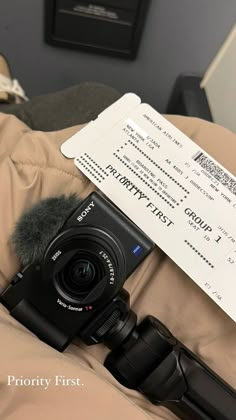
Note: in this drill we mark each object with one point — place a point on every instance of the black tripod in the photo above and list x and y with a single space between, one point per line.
150 359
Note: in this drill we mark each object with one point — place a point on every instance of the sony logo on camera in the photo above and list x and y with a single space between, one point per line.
84 213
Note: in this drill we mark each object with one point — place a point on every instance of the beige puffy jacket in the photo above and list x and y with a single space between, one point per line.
31 168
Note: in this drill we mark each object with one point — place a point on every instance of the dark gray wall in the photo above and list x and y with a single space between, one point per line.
179 36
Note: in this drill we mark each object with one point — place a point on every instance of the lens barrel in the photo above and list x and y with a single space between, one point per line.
87 265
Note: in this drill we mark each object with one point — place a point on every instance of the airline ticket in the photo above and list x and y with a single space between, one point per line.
182 198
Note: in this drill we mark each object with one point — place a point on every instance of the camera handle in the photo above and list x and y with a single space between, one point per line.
148 358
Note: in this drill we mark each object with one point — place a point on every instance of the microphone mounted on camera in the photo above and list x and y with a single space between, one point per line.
39 225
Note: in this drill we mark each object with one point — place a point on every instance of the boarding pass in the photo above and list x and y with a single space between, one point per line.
182 198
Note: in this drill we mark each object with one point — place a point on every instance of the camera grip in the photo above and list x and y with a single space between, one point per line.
31 318
155 363
189 388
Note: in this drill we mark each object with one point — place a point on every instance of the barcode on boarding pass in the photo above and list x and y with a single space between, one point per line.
216 171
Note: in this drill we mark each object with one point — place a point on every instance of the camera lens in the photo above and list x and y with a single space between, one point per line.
82 272
80 275
87 265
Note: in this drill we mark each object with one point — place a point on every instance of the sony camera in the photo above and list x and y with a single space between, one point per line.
76 289
83 270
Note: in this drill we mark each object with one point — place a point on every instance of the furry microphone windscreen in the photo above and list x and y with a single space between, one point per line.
39 225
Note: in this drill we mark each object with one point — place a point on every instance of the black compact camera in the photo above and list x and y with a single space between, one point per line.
79 279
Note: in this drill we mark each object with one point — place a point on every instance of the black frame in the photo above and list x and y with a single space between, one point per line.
50 38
